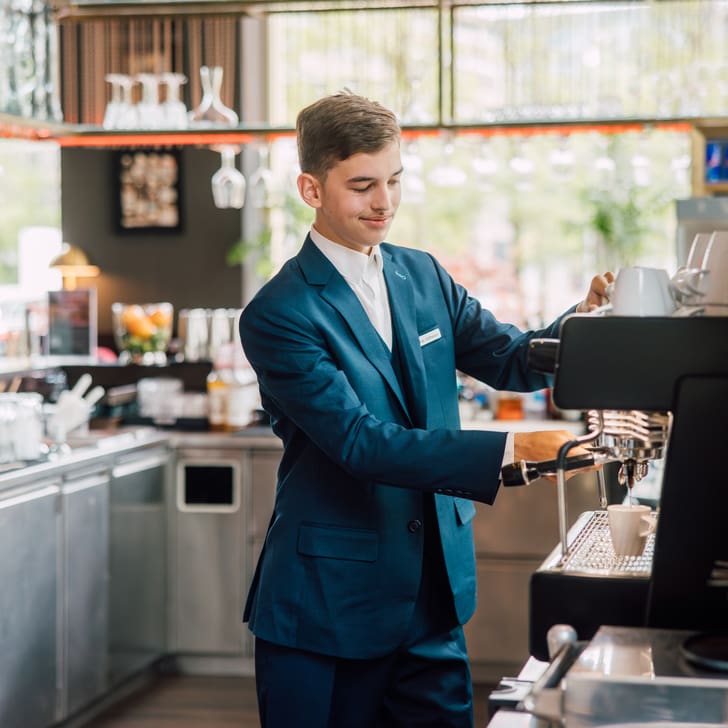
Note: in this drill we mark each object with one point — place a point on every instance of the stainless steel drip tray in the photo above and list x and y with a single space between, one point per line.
589 587
634 674
591 551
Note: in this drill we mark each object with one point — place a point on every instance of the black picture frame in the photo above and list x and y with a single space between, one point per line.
148 190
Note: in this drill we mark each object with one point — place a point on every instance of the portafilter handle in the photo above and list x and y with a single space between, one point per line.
524 472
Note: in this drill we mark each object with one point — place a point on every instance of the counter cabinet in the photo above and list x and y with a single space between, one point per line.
130 554
137 561
30 600
59 562
219 503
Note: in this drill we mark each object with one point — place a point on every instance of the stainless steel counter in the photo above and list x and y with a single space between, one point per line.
87 449
84 530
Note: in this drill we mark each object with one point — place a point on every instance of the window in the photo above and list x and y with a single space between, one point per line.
521 217
30 218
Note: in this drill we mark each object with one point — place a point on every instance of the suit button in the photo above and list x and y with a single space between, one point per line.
414 526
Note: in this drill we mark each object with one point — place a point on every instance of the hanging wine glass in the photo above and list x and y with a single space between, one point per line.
211 110
485 164
448 173
605 168
640 162
561 158
522 165
228 183
260 182
413 185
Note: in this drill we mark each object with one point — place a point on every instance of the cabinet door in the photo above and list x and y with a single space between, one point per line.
86 540
28 607
137 587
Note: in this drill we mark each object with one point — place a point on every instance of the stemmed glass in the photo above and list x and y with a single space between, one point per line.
228 183
260 182
120 112
447 173
149 112
211 110
174 111
485 164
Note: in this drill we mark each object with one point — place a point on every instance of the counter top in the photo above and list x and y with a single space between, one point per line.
258 436
94 447
86 450
97 445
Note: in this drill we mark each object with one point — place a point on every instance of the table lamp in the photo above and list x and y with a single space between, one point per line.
73 263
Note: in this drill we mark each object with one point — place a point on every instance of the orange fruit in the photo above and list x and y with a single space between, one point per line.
129 314
161 318
141 327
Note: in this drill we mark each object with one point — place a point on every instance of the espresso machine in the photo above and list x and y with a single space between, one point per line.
653 388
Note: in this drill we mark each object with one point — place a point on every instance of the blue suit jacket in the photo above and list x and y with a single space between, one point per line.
340 569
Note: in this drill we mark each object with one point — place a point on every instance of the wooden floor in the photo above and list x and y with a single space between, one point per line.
209 702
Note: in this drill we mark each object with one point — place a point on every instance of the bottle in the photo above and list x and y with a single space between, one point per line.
242 393
218 383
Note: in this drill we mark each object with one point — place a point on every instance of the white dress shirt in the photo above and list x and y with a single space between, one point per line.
365 275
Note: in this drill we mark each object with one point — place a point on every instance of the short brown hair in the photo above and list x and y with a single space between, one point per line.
336 127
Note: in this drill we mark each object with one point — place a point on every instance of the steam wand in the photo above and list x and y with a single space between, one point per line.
561 484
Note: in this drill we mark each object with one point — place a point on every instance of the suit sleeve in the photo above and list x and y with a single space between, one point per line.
492 352
302 384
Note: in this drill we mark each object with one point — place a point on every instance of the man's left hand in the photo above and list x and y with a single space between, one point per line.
596 296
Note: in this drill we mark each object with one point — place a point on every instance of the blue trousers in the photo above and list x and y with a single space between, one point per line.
424 683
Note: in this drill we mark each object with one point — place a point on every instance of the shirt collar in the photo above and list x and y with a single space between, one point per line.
351 264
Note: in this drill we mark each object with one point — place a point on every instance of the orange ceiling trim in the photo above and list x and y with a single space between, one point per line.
151 139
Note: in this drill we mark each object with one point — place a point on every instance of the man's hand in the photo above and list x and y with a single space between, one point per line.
545 445
596 296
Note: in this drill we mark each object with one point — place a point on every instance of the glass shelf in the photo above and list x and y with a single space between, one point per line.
72 135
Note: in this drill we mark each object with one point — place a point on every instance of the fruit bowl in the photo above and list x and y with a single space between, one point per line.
142 331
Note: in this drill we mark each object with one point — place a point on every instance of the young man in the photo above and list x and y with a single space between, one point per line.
368 568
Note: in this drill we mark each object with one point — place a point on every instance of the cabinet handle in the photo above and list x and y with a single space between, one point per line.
137 466
73 486
29 496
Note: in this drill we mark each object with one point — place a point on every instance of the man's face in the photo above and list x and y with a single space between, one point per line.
356 203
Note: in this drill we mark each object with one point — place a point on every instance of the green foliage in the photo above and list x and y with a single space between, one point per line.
624 220
257 248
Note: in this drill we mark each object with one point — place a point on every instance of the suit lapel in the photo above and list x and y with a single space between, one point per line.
404 327
318 270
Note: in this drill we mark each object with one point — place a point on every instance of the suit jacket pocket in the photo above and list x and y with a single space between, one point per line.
335 542
465 510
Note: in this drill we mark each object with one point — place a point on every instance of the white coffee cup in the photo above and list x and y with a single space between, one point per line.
715 262
630 526
640 291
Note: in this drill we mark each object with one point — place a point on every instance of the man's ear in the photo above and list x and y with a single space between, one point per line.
310 189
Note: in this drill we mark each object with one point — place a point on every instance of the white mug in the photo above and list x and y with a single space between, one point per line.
630 526
640 291
715 262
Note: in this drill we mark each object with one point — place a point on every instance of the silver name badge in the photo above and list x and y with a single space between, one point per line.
430 336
